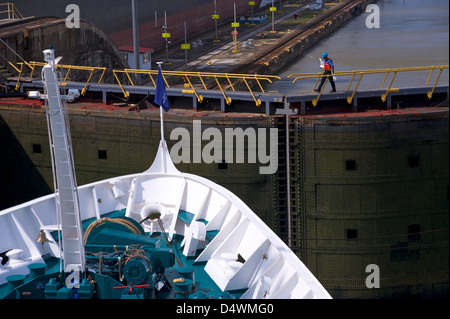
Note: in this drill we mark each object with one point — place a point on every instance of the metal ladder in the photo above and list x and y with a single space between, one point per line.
66 194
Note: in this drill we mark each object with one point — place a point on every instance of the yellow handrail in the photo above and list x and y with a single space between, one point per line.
34 64
181 75
11 10
227 99
200 77
186 76
361 73
199 97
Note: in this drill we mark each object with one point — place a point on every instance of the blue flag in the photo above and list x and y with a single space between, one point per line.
161 94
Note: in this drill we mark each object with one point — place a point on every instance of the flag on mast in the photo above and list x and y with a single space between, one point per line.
161 94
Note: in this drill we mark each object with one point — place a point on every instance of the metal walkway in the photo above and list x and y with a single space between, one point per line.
225 89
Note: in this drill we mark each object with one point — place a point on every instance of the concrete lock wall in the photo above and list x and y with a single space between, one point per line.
107 145
373 190
365 189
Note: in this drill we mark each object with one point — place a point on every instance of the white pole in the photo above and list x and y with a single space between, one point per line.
162 142
160 110
162 122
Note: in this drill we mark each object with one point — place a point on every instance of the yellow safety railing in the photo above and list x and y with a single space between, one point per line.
11 11
188 77
192 80
33 65
20 70
361 73
195 81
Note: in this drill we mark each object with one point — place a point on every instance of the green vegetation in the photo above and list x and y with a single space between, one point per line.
302 18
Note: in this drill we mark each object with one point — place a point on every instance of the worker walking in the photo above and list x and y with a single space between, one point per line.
328 69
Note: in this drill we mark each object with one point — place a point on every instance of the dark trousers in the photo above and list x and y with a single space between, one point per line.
330 78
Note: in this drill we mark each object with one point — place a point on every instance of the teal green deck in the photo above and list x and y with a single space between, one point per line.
203 282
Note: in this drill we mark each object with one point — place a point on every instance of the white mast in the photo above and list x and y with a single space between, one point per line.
66 195
162 162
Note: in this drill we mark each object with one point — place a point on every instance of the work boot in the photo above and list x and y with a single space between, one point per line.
333 91
316 90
